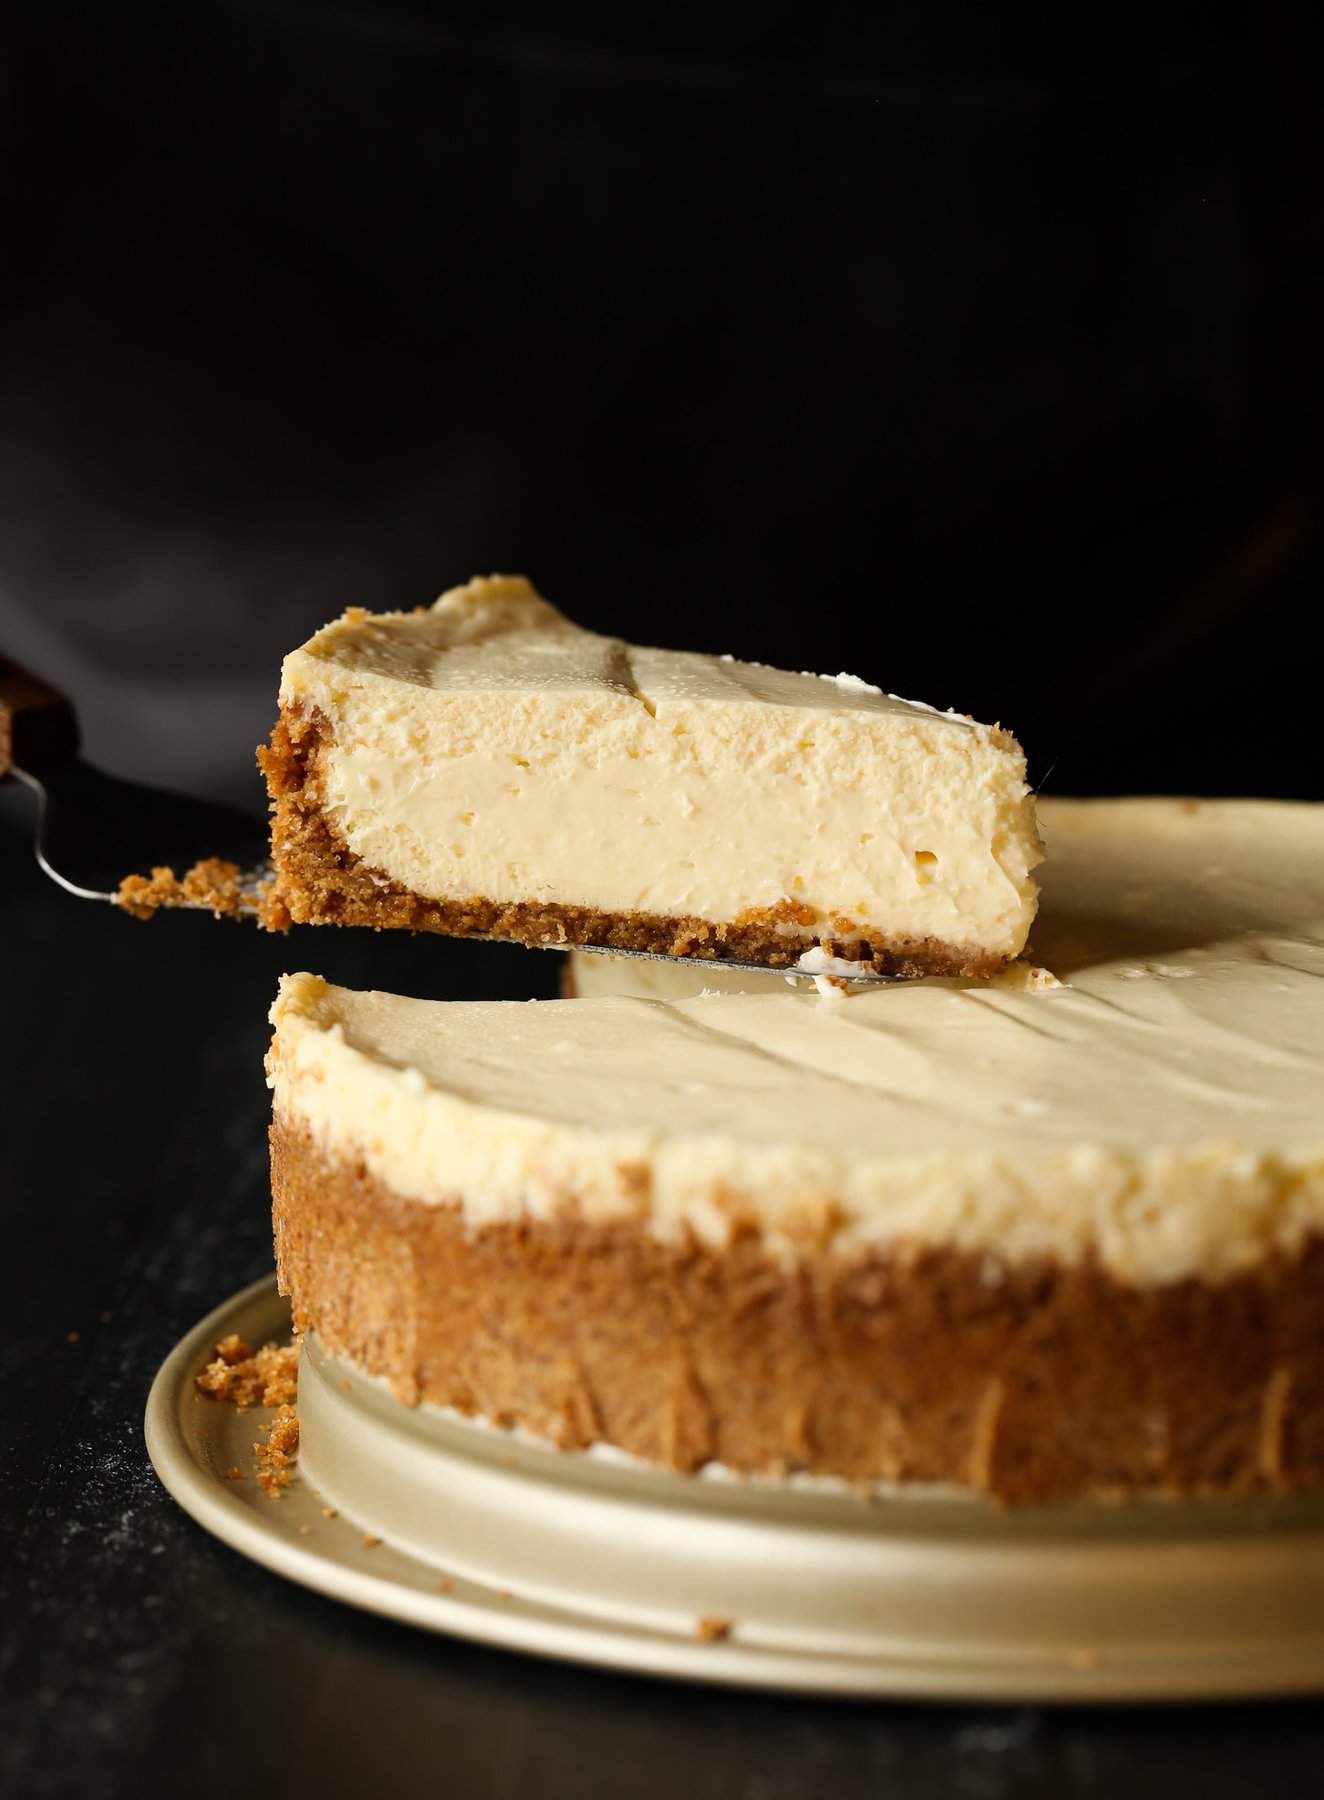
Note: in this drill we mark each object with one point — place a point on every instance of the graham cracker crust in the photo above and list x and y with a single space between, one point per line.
213 884
320 881
1023 1382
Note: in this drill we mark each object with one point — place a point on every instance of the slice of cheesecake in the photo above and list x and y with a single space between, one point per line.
1032 1243
485 767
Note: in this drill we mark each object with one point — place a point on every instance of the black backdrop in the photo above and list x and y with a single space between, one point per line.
974 353
976 356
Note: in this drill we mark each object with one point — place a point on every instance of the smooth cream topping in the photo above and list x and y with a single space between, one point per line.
1163 1108
488 748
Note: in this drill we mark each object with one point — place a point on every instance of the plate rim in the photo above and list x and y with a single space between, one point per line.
267 1539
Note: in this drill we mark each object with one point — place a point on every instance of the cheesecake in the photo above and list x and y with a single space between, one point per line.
1033 1241
485 767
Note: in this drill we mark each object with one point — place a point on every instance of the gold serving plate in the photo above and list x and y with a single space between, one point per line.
801 1584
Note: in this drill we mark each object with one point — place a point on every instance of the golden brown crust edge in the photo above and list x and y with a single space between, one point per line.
1026 1382
320 881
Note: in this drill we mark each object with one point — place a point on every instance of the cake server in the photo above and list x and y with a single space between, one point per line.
93 829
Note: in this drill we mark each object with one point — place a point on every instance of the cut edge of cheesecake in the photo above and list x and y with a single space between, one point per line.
320 881
321 878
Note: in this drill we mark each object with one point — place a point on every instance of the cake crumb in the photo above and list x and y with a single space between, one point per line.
282 1442
267 1377
824 966
712 1628
212 885
330 1512
1025 977
369 1541
445 1585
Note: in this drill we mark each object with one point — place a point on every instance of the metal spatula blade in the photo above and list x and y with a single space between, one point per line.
699 964
93 829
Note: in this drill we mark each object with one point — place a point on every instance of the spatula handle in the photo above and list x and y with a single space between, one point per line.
37 723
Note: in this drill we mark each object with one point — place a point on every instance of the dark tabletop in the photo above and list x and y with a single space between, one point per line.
142 1657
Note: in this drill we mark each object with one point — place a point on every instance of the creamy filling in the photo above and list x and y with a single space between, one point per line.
536 762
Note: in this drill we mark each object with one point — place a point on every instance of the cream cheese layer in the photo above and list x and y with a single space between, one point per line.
486 748
1162 1110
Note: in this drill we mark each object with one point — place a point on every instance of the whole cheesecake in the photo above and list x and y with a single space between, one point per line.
483 766
1037 1242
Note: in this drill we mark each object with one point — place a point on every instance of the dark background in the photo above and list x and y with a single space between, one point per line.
974 349
975 352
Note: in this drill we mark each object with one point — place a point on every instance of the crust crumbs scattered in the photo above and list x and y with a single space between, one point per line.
266 1377
282 1443
275 1455
213 886
712 1628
